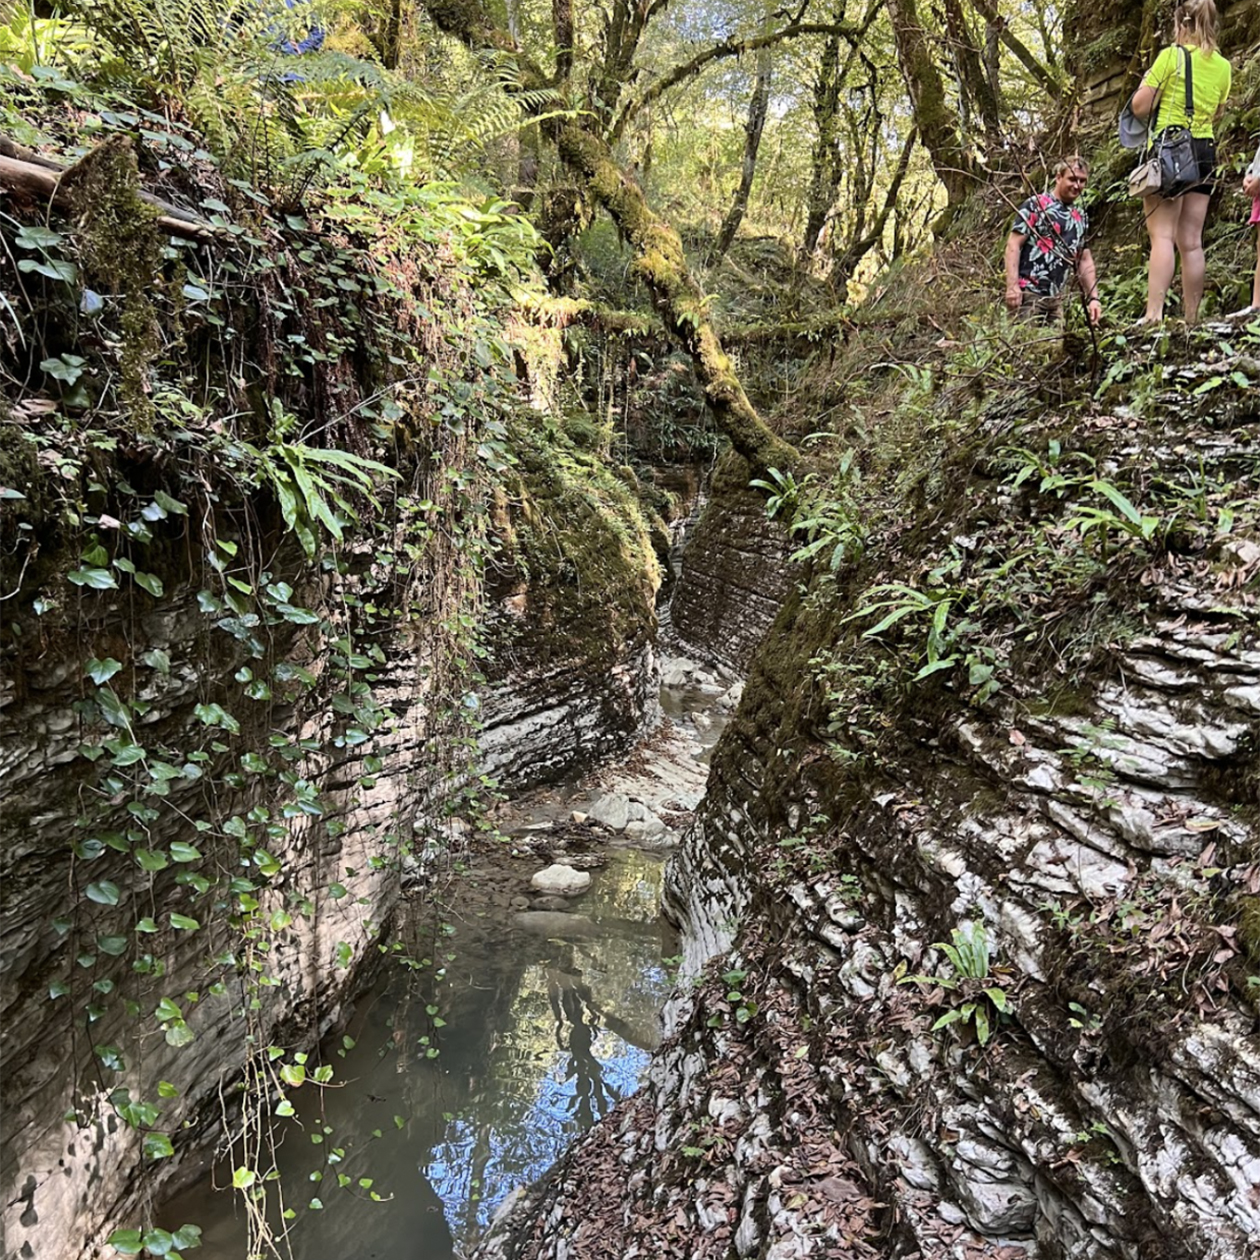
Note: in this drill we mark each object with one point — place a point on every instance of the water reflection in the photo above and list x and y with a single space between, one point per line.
461 1089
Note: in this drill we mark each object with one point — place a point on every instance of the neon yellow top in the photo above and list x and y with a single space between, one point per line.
1212 80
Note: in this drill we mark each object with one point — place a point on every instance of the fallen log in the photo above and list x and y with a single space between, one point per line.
21 170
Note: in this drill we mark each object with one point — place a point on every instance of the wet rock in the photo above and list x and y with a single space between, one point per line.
648 829
611 810
552 923
540 903
580 861
560 881
677 672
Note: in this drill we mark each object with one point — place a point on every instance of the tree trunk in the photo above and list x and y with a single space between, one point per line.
659 260
660 263
973 84
757 108
824 176
934 117
858 247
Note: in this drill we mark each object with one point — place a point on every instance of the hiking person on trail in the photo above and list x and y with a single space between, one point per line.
1177 222
1251 188
1045 247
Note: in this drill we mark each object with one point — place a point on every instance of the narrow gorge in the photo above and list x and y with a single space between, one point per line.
572 687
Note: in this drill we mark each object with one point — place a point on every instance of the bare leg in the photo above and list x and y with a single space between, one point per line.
1161 225
1255 284
1194 208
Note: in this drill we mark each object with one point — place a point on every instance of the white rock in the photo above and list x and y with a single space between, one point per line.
561 881
611 810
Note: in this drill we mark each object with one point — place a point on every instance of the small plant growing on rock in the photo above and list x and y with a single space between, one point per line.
981 1001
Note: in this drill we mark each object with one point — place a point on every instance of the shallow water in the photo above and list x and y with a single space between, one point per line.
540 1023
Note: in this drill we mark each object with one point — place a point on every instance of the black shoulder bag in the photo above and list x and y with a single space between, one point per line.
1174 147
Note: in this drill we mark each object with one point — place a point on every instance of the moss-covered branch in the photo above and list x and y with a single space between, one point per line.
659 260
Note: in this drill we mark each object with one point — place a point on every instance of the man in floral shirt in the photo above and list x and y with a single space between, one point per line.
1045 247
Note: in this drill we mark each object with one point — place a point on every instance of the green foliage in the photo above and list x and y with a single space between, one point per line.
981 1002
323 414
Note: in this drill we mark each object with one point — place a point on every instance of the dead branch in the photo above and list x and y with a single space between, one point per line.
22 170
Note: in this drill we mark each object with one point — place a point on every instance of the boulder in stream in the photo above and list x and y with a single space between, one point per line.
558 880
611 810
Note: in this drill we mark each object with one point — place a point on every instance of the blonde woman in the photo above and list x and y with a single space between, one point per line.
1175 224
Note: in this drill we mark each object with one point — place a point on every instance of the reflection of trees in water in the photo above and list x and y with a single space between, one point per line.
541 1037
553 1072
571 1002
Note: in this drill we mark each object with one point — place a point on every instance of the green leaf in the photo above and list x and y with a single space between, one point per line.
182 852
166 1010
997 997
113 710
56 269
157 1146
104 893
102 671
187 1237
243 1178
114 946
96 579
164 500
184 923
151 860
151 583
1108 491
58 988
128 1242
982 1024
179 1034
950 1017
157 659
35 237
933 667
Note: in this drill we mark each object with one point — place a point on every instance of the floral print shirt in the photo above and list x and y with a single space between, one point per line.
1055 237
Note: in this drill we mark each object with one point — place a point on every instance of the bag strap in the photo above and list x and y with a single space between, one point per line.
1189 86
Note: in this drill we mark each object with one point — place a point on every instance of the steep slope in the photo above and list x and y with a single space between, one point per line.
1020 721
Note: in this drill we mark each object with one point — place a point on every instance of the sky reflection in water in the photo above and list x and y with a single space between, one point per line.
545 1022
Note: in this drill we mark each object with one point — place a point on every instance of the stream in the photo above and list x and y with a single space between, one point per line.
512 1023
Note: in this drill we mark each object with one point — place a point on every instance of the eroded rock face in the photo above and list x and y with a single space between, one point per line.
832 1082
1115 1112
69 1185
544 721
735 573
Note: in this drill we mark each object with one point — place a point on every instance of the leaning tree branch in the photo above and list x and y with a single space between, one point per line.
734 48
988 10
22 170
659 260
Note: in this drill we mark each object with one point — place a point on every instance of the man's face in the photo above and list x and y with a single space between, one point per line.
1069 185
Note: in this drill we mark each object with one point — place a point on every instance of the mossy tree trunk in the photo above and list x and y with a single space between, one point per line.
659 260
758 106
937 121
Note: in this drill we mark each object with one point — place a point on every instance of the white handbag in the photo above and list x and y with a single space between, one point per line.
1146 179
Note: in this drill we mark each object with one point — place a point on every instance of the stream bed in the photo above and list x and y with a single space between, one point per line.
505 1025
